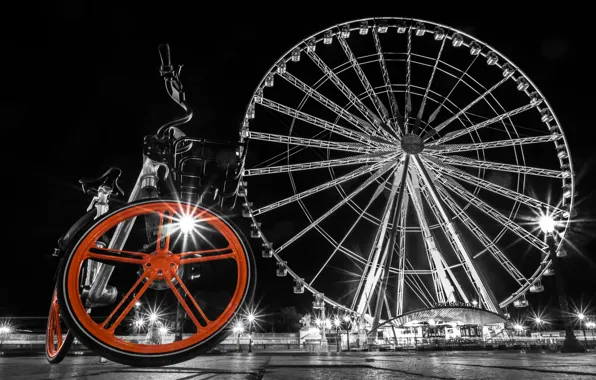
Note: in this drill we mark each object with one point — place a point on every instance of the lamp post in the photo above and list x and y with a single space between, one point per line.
538 321
591 325
570 344
251 319
4 331
582 326
348 321
337 324
324 322
238 328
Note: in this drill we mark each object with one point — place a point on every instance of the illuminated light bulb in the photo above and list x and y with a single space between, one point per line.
186 224
547 224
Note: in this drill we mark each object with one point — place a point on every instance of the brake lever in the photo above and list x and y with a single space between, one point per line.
175 89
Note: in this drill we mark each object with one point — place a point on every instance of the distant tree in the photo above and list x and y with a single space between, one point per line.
289 318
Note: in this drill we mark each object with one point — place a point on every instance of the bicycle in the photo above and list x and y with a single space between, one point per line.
173 235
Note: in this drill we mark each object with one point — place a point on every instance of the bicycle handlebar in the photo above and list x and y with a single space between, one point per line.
164 55
174 88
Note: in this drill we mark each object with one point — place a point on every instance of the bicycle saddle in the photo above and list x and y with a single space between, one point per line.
109 178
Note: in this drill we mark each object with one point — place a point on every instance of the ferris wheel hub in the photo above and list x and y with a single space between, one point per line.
412 143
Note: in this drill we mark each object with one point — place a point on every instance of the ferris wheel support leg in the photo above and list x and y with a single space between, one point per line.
379 251
391 242
486 297
433 254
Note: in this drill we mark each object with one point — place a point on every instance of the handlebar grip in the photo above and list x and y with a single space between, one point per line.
164 54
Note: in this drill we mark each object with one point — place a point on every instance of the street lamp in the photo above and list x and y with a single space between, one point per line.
251 319
519 328
547 225
139 322
238 329
591 325
4 331
582 326
337 323
539 322
348 322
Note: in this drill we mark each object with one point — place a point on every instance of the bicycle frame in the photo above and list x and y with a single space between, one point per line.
148 178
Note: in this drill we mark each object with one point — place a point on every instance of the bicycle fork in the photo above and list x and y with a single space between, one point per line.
146 184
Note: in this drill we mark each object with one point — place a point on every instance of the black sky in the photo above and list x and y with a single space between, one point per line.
84 88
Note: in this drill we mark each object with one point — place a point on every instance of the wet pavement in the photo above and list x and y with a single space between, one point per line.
330 366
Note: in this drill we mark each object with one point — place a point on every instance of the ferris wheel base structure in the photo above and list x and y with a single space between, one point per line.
450 322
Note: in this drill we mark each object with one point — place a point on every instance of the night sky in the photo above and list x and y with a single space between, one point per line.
84 88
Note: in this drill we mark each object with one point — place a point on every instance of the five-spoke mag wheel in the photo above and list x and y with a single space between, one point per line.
182 273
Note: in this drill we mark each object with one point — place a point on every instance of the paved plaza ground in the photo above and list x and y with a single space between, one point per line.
329 366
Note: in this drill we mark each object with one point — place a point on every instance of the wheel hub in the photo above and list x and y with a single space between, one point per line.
162 264
412 144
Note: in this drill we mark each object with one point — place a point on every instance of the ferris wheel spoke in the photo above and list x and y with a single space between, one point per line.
375 195
443 289
392 101
401 261
487 243
490 211
408 106
430 81
379 250
353 160
331 127
440 127
353 174
440 167
312 143
356 121
283 156
424 292
356 300
416 279
379 106
329 212
453 148
397 212
486 297
478 164
460 252
354 100
435 113
460 132
387 309
437 261
418 293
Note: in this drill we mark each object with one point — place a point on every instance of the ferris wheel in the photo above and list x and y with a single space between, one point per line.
394 164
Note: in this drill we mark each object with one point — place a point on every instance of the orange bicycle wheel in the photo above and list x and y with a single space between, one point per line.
57 343
157 275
